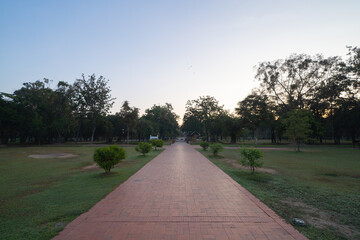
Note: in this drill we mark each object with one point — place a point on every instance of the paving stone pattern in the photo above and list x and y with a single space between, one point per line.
179 195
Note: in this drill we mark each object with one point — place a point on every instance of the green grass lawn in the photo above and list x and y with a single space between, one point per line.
320 185
35 194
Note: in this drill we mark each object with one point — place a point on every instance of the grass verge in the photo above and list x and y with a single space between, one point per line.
320 185
36 194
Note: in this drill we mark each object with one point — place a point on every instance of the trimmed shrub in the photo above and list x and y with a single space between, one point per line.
143 147
251 157
157 143
204 145
108 157
216 148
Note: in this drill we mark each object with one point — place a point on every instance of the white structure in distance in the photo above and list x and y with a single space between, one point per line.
154 137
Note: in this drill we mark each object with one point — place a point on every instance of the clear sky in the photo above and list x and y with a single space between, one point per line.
155 52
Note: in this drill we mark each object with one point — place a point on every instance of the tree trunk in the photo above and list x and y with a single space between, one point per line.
22 138
127 136
298 145
92 135
273 136
256 133
59 136
4 138
233 138
78 132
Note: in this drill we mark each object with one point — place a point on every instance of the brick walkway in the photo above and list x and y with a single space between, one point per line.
179 195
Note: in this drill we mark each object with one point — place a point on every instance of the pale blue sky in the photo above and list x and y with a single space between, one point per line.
166 51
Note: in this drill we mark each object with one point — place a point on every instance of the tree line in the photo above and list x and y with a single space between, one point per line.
301 98
37 113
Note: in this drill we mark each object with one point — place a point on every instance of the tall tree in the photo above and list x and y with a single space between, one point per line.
92 99
234 126
218 127
292 82
342 86
205 109
35 106
144 128
118 125
163 119
354 62
64 121
39 113
298 127
8 117
255 110
130 116
192 124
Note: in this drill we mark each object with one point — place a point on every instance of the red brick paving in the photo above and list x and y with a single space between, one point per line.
179 195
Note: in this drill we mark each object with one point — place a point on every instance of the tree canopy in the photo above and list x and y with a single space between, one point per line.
205 109
323 92
129 116
163 119
92 98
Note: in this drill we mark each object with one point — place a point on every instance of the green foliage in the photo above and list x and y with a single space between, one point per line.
130 118
328 87
163 120
251 157
216 148
205 109
254 111
298 127
144 128
143 147
91 98
157 143
191 124
354 60
204 145
293 81
108 157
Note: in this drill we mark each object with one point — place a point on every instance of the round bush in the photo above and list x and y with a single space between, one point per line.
204 145
216 148
157 143
143 147
108 157
251 157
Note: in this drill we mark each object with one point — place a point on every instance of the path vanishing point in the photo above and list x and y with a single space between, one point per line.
179 195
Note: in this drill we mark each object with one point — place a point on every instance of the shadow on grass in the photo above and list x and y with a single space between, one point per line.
101 175
256 177
215 156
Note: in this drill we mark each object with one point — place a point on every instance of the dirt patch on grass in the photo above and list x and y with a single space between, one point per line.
277 149
286 149
91 167
235 164
265 148
53 155
322 219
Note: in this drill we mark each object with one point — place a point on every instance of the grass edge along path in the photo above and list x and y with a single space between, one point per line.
39 194
276 190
